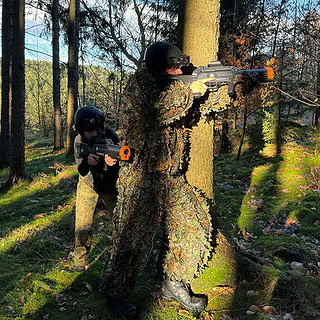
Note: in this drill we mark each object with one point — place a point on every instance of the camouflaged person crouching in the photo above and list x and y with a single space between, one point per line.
95 182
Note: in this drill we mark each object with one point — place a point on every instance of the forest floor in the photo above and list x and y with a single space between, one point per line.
267 208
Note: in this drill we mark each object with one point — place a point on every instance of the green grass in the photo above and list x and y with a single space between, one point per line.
278 187
36 276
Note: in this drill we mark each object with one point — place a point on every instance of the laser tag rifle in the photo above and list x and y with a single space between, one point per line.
101 146
222 75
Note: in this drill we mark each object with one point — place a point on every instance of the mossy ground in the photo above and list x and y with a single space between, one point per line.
36 276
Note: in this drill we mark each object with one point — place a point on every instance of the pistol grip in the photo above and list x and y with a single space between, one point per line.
231 90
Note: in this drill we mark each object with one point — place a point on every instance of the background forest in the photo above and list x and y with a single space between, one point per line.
266 157
97 87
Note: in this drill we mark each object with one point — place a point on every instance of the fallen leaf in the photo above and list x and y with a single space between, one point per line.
290 221
254 308
269 310
40 215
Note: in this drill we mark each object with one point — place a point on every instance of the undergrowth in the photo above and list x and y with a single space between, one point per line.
257 198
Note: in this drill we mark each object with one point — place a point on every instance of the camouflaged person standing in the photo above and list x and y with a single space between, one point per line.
95 180
155 121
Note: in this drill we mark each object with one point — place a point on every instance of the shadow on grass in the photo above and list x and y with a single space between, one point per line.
16 213
29 259
285 289
81 297
39 280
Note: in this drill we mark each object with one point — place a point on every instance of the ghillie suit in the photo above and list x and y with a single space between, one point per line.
155 123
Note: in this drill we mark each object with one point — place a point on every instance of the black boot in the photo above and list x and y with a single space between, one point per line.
121 307
178 290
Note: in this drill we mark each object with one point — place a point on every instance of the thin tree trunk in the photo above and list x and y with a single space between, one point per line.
199 25
245 117
58 139
257 33
277 28
73 76
6 82
317 113
17 163
278 106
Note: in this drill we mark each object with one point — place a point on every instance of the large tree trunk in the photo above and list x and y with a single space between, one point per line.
199 38
17 163
58 139
73 76
6 82
198 27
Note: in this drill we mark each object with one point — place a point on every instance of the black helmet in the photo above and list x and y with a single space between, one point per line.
88 119
163 54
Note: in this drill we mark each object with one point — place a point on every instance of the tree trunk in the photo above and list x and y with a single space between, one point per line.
245 118
6 82
58 139
317 115
17 162
199 24
199 37
278 109
274 47
73 76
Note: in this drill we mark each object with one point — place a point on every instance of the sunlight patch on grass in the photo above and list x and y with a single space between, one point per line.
59 281
291 184
34 291
34 303
269 151
271 278
25 231
251 201
219 277
45 154
40 183
166 311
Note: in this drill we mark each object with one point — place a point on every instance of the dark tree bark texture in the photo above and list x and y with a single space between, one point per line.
6 82
17 163
58 139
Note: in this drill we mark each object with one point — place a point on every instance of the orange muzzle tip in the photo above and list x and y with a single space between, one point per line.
125 153
270 74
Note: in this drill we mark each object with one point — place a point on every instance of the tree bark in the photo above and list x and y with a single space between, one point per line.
317 113
198 28
58 139
275 39
199 38
6 77
73 76
17 162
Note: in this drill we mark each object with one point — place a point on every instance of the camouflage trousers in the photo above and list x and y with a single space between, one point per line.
143 202
86 201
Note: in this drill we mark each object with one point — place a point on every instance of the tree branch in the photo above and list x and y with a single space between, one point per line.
296 99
